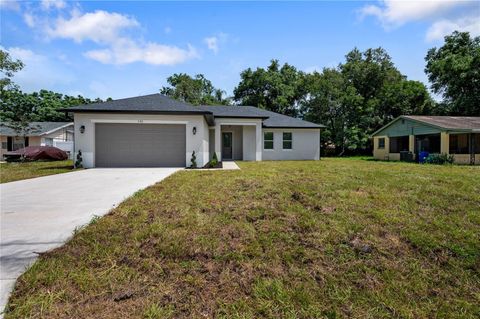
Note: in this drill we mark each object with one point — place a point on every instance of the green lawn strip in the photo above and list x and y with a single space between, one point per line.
10 172
333 238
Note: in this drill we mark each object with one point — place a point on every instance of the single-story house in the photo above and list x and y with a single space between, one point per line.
58 134
410 135
155 130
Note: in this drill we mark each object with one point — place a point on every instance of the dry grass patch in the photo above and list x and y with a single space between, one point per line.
332 239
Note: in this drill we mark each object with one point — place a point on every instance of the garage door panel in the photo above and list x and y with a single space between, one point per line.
139 145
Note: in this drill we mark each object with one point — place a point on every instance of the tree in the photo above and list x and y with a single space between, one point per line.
195 90
8 67
359 96
277 89
18 115
454 72
330 101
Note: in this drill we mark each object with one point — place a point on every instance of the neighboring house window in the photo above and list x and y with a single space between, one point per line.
4 145
381 142
399 144
459 144
268 140
48 141
19 143
287 140
476 140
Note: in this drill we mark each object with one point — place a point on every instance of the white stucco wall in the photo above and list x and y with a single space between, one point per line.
249 148
305 145
254 152
86 141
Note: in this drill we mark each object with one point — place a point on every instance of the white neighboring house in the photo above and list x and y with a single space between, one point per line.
157 131
58 134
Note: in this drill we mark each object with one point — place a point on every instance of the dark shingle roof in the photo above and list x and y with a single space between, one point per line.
41 128
271 119
157 103
449 122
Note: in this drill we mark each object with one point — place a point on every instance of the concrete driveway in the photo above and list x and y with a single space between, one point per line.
41 213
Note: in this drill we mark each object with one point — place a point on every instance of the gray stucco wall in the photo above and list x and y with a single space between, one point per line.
305 145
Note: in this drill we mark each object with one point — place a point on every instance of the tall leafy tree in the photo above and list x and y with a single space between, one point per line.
359 96
8 67
196 90
17 112
42 106
332 102
454 72
277 89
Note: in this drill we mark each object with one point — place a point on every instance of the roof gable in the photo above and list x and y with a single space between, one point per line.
416 124
41 128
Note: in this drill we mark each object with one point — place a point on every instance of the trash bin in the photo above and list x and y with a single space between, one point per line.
423 156
406 156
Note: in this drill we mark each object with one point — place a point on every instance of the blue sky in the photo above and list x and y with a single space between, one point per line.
121 48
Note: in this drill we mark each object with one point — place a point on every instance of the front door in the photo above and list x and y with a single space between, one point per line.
227 145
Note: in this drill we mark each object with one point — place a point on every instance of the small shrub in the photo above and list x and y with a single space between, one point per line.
440 159
193 160
78 162
214 161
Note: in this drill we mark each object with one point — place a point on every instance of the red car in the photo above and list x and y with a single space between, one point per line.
35 153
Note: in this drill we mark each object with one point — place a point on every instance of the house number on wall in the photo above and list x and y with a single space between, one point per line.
140 121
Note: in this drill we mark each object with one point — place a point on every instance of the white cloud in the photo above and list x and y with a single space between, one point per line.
99 26
57 4
10 5
108 29
393 13
127 51
440 29
445 16
212 44
29 19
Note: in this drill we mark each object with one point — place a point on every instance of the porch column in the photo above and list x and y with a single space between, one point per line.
218 143
411 143
444 143
258 140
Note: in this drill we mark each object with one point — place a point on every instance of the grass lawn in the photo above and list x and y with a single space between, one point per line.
336 238
10 172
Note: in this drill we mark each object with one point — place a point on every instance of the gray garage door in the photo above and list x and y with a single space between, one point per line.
139 145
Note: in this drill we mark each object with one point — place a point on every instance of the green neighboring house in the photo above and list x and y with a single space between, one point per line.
406 136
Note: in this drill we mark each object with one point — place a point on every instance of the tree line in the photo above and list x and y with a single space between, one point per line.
358 96
352 100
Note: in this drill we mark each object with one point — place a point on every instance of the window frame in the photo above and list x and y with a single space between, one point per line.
287 140
380 146
265 140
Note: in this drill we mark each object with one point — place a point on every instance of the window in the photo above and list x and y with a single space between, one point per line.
476 141
381 142
458 144
18 142
399 144
287 140
428 143
268 140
